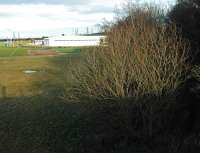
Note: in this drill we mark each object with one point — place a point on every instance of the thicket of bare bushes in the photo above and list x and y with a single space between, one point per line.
142 57
143 67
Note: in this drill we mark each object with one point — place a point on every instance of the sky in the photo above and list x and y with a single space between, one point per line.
36 18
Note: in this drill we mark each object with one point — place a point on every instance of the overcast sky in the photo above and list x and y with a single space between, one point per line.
33 18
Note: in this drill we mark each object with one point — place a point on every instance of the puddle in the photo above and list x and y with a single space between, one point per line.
29 71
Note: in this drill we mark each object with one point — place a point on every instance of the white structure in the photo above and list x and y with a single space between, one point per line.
64 41
38 42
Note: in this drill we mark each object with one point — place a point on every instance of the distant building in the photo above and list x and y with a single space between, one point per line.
38 41
64 41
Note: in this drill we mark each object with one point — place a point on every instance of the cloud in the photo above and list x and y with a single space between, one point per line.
53 16
94 9
42 19
67 2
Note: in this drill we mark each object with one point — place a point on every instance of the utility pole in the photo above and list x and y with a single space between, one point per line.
7 43
13 40
18 42
76 31
87 30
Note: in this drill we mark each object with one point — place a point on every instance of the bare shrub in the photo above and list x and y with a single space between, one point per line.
196 72
142 57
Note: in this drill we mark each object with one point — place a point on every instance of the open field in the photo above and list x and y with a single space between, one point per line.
8 52
14 79
25 51
18 83
67 50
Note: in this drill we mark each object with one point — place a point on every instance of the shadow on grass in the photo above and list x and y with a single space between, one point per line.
46 125
43 124
52 80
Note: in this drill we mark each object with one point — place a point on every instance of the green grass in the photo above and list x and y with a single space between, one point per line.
23 51
67 49
49 70
41 124
18 83
2 44
9 51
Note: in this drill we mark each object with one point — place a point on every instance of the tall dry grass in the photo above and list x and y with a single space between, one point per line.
142 57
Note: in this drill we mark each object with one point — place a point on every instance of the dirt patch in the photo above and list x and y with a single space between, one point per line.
42 53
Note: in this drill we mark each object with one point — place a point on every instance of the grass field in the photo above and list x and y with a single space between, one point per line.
18 83
67 50
24 51
14 61
8 51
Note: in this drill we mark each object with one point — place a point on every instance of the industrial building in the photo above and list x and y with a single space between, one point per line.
65 41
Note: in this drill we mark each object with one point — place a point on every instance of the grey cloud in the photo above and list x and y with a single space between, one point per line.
67 2
97 9
92 9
